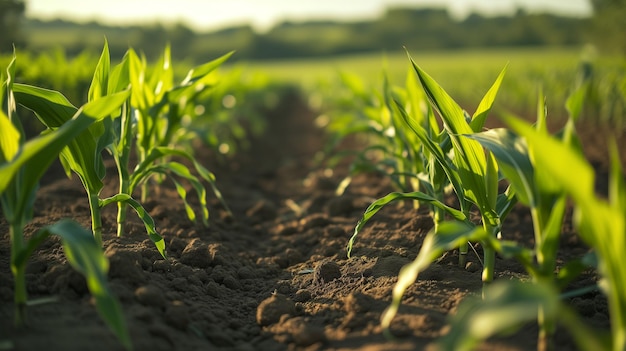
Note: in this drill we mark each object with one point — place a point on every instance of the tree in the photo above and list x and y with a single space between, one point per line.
11 12
609 24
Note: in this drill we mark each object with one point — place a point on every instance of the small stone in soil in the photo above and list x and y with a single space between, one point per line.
271 309
263 210
150 295
358 302
177 315
302 295
303 333
326 271
472 267
196 254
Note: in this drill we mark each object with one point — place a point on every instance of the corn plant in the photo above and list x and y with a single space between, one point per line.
471 171
391 150
83 155
505 307
536 189
158 106
601 224
22 163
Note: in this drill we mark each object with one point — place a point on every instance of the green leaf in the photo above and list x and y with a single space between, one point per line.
436 151
50 106
9 139
38 153
86 256
142 171
469 157
449 235
511 152
162 78
377 205
119 76
100 80
575 101
480 116
143 215
560 162
202 71
183 172
508 305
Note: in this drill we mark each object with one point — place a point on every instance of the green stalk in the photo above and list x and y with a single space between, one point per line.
547 328
463 250
121 156
489 256
96 217
546 263
19 272
122 206
490 260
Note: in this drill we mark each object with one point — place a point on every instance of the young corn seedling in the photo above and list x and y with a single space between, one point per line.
470 170
601 224
536 189
157 110
83 154
392 151
473 175
506 306
22 163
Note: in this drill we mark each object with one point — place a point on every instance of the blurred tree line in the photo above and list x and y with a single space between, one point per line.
418 29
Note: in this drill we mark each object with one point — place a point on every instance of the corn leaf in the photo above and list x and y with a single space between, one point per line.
203 70
509 305
100 80
143 215
54 106
575 101
436 151
377 205
182 171
81 155
449 235
511 152
560 163
480 116
86 256
10 135
469 156
162 78
9 139
37 154
142 171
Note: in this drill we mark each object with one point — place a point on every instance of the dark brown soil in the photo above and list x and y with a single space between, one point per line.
277 276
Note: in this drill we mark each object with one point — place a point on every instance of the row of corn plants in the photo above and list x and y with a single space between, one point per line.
131 113
473 162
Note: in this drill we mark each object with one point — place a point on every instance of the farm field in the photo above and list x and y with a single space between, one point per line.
275 275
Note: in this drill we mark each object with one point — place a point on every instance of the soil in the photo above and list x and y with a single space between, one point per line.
276 276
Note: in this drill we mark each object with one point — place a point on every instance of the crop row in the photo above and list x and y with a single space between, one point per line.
433 150
419 136
144 119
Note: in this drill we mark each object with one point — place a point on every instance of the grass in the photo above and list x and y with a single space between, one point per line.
466 73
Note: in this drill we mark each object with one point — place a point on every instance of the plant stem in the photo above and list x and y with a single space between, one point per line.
489 256
463 250
19 272
122 206
96 218
547 327
488 269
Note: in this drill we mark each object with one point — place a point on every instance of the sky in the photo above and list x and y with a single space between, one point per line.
262 14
